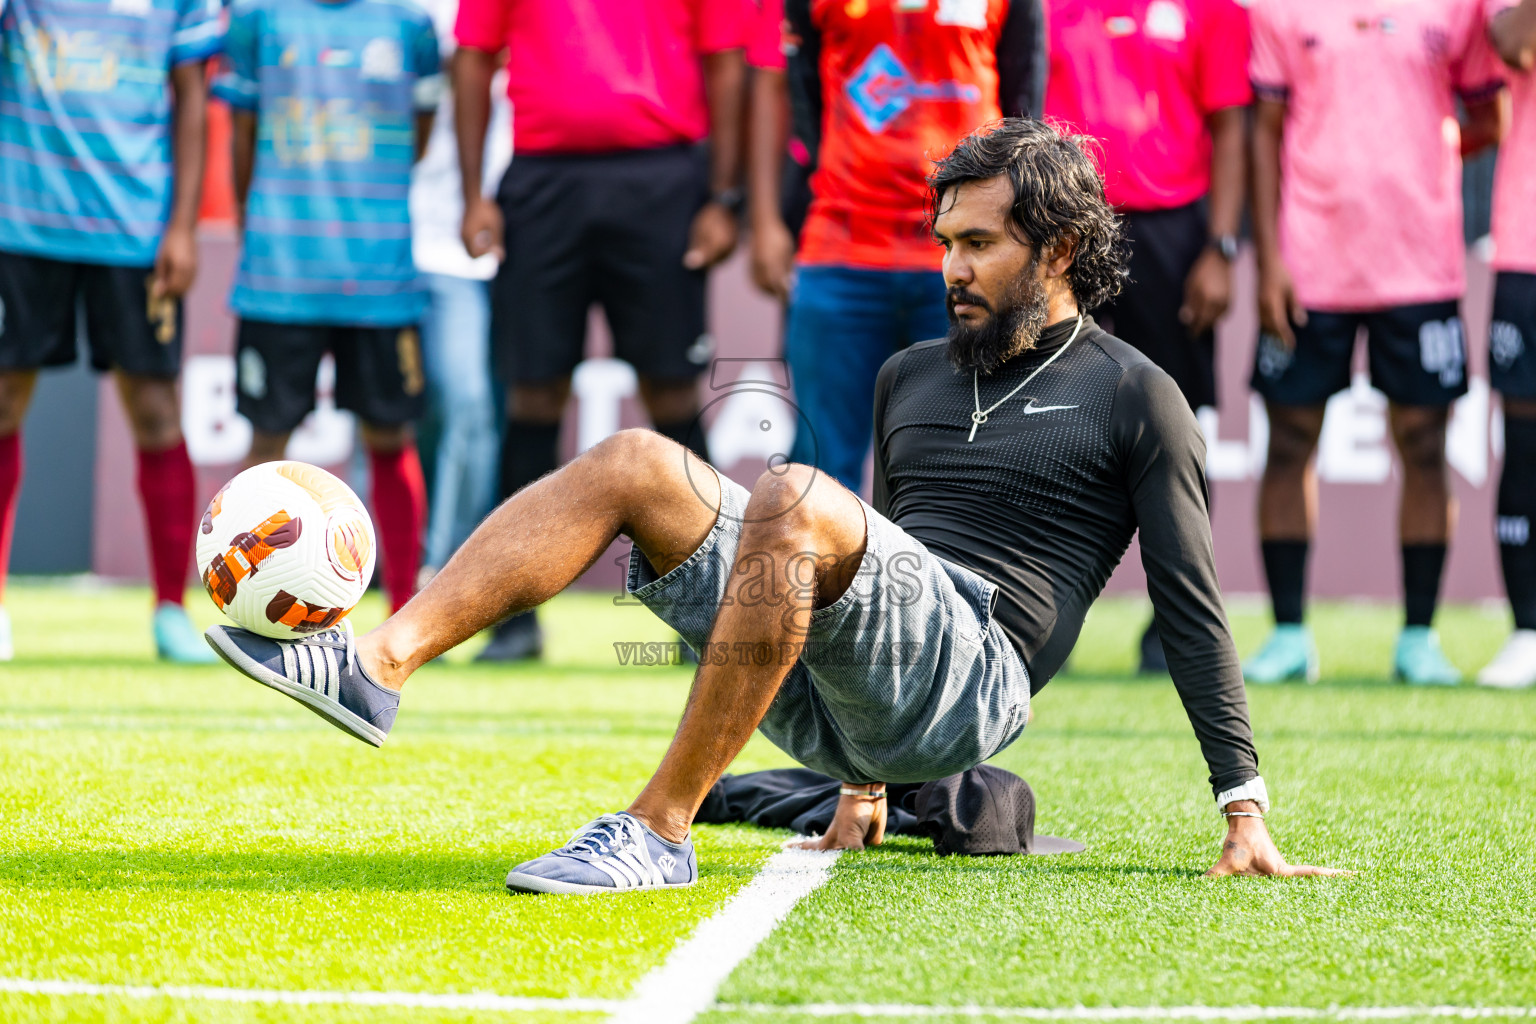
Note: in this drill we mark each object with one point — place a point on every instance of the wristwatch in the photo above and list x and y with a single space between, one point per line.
733 199
1224 244
1253 790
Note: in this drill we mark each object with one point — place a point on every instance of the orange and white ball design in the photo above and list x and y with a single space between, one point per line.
285 549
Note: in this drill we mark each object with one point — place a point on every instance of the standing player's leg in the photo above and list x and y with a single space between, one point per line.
379 377
139 340
842 321
539 305
1164 245
455 341
1426 510
15 396
1295 382
37 328
168 492
1512 367
1418 359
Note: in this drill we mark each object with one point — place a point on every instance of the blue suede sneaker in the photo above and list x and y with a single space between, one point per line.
614 853
320 671
1288 654
1419 661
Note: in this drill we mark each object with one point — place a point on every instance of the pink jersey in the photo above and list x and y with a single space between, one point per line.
765 45
1141 76
1514 184
593 76
1370 192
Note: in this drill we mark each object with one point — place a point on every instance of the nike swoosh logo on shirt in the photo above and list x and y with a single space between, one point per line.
1032 408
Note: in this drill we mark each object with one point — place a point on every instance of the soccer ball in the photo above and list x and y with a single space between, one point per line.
285 549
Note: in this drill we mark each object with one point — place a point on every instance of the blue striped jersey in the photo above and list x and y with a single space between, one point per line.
85 122
335 88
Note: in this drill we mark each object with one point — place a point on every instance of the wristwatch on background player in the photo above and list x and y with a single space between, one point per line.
1224 244
1253 789
733 199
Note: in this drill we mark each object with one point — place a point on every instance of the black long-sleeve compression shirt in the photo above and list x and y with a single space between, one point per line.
1045 500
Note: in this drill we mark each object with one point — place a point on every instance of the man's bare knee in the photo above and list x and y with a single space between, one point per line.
1420 438
1293 436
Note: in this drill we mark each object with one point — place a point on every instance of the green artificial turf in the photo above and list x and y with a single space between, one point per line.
182 826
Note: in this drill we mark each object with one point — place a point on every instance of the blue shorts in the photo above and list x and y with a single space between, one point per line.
905 678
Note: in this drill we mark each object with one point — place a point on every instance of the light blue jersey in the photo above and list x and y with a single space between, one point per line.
335 88
85 122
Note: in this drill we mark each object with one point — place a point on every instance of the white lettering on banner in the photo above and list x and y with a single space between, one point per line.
218 436
600 386
1355 447
754 421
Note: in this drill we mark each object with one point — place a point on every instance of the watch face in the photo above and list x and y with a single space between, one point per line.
1226 245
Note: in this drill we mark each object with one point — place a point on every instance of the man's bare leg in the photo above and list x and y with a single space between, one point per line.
635 483
801 543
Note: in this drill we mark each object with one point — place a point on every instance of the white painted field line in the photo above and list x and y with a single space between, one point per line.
529 1004
684 986
419 1000
1114 1013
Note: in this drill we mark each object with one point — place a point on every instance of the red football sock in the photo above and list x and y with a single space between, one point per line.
10 487
168 489
400 509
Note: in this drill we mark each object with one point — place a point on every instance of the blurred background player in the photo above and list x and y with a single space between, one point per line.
103 121
778 163
1511 363
332 103
456 327
1163 86
879 90
1357 219
610 200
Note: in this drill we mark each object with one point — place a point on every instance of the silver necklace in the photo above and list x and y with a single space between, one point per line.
980 415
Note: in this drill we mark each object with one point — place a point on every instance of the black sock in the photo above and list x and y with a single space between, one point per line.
528 451
1285 567
1517 510
689 433
1422 564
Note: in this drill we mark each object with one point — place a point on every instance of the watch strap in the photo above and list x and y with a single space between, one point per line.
1253 789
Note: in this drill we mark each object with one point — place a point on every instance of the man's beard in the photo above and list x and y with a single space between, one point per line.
1008 331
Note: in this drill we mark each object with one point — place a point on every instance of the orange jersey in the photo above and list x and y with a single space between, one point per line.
901 82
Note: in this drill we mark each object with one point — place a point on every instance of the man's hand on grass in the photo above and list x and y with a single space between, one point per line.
857 822
1248 850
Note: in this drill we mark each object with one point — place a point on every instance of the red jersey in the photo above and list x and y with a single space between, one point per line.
901 82
592 76
1141 76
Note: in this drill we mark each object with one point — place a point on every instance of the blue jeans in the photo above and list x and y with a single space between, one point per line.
844 323
456 351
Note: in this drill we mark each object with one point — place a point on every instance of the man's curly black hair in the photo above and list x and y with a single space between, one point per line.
1058 194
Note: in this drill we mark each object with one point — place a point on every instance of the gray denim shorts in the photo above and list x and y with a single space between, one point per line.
905 678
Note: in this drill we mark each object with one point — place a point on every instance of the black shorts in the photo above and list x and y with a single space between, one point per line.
609 229
38 302
1511 363
1418 356
1164 246
379 373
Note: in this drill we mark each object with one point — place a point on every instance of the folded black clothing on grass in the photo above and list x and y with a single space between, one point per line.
984 810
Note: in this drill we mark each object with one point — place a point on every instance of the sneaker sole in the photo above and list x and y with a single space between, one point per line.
324 706
519 882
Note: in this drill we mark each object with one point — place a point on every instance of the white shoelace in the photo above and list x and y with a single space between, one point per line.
615 844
